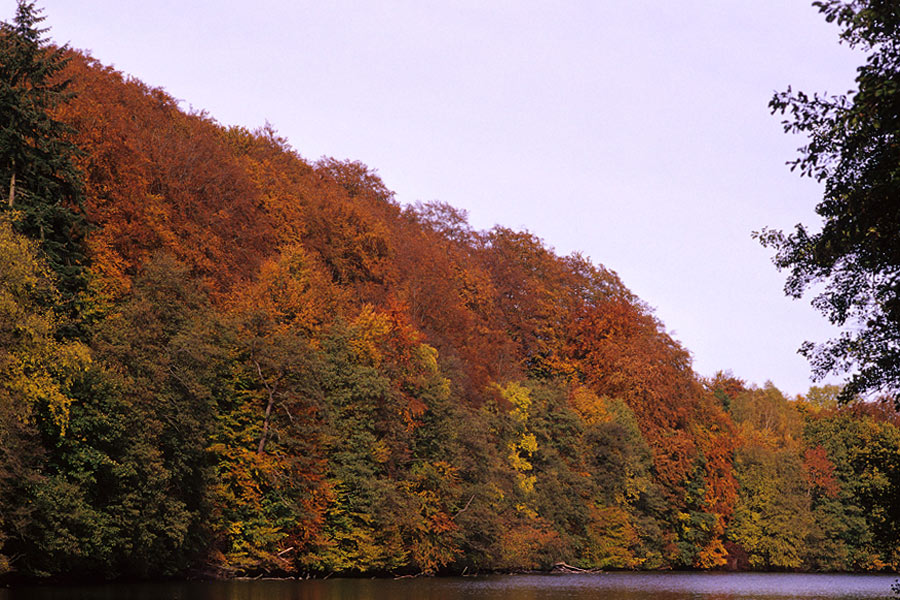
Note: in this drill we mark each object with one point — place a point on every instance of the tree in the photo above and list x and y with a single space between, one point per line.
854 261
166 365
36 158
37 374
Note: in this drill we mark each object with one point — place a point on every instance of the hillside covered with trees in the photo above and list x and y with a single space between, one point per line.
218 358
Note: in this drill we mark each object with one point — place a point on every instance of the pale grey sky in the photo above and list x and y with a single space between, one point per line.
634 131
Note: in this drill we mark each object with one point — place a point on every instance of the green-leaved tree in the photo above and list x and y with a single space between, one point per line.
854 149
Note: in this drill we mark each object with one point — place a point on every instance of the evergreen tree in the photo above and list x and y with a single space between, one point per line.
43 185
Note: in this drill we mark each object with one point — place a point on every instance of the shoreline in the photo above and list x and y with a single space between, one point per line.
565 571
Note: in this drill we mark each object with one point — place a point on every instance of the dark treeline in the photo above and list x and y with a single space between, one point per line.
218 358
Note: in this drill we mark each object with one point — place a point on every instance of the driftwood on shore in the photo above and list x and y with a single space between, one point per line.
562 567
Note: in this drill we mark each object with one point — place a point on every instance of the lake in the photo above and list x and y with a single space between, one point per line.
606 586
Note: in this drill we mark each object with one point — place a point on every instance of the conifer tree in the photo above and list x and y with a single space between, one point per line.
37 168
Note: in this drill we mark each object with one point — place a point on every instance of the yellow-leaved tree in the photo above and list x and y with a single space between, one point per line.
36 369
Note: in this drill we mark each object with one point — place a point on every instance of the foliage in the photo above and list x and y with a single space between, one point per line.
854 261
37 158
37 376
286 373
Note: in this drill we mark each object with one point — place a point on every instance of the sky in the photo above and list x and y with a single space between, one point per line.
636 132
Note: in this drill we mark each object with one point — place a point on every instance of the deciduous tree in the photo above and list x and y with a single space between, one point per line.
853 263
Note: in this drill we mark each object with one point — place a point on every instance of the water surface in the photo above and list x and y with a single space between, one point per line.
607 586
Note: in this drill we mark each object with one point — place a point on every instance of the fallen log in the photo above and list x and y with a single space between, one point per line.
562 567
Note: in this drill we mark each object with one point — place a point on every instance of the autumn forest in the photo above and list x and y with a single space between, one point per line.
218 358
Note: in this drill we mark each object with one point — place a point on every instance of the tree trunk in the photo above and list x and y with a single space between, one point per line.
265 433
271 392
12 189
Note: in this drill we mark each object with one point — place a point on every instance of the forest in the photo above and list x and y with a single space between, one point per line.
220 359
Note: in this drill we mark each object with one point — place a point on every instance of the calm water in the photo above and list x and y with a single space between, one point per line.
610 586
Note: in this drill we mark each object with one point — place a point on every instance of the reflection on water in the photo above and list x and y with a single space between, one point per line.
607 586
